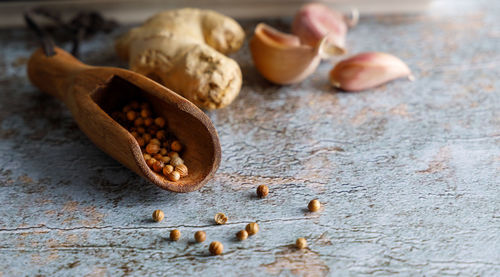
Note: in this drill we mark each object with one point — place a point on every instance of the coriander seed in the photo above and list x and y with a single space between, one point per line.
166 159
140 141
174 176
252 228
242 235
175 161
152 148
200 236
131 115
148 121
220 218
158 166
301 243
160 122
168 169
182 169
176 146
175 235
314 205
139 121
155 141
158 215
262 191
150 162
145 113
146 137
163 151
216 248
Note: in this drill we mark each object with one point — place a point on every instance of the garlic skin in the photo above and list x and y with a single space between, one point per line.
280 57
315 21
367 70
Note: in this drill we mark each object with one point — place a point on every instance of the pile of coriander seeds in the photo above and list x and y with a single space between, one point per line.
160 148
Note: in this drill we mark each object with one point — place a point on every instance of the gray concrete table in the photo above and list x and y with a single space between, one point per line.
408 172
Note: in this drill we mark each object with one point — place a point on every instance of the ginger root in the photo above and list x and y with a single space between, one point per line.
184 50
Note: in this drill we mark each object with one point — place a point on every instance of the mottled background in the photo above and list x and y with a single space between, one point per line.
408 172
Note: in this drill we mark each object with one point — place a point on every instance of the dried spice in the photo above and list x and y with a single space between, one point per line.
220 218
242 235
262 191
158 215
175 235
252 228
200 236
216 248
314 205
301 243
160 148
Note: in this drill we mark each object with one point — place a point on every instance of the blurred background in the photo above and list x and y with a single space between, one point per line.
135 11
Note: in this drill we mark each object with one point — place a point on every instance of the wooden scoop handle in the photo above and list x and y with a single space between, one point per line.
54 74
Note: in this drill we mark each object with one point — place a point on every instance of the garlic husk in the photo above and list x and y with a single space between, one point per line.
315 21
367 70
280 57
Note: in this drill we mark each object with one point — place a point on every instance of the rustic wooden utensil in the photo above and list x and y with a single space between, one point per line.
92 93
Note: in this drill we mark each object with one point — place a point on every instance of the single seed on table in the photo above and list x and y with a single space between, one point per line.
176 146
148 121
242 235
174 176
314 205
131 115
262 191
182 169
220 218
301 243
158 215
150 162
168 169
216 248
152 148
160 122
252 228
139 121
200 236
175 235
158 166
175 161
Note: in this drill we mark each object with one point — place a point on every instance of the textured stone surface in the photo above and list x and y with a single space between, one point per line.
408 172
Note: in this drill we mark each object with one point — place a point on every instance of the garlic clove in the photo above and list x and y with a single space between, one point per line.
367 70
280 57
315 21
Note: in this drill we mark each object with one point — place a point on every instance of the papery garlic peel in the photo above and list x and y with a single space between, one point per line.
367 70
280 57
315 21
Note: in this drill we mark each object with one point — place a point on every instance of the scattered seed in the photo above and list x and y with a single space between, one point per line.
175 235
158 215
216 248
252 228
301 243
314 205
242 235
262 191
220 218
200 236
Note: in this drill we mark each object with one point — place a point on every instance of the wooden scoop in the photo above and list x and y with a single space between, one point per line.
92 93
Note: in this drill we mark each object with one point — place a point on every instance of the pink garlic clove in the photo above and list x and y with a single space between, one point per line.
315 21
367 70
